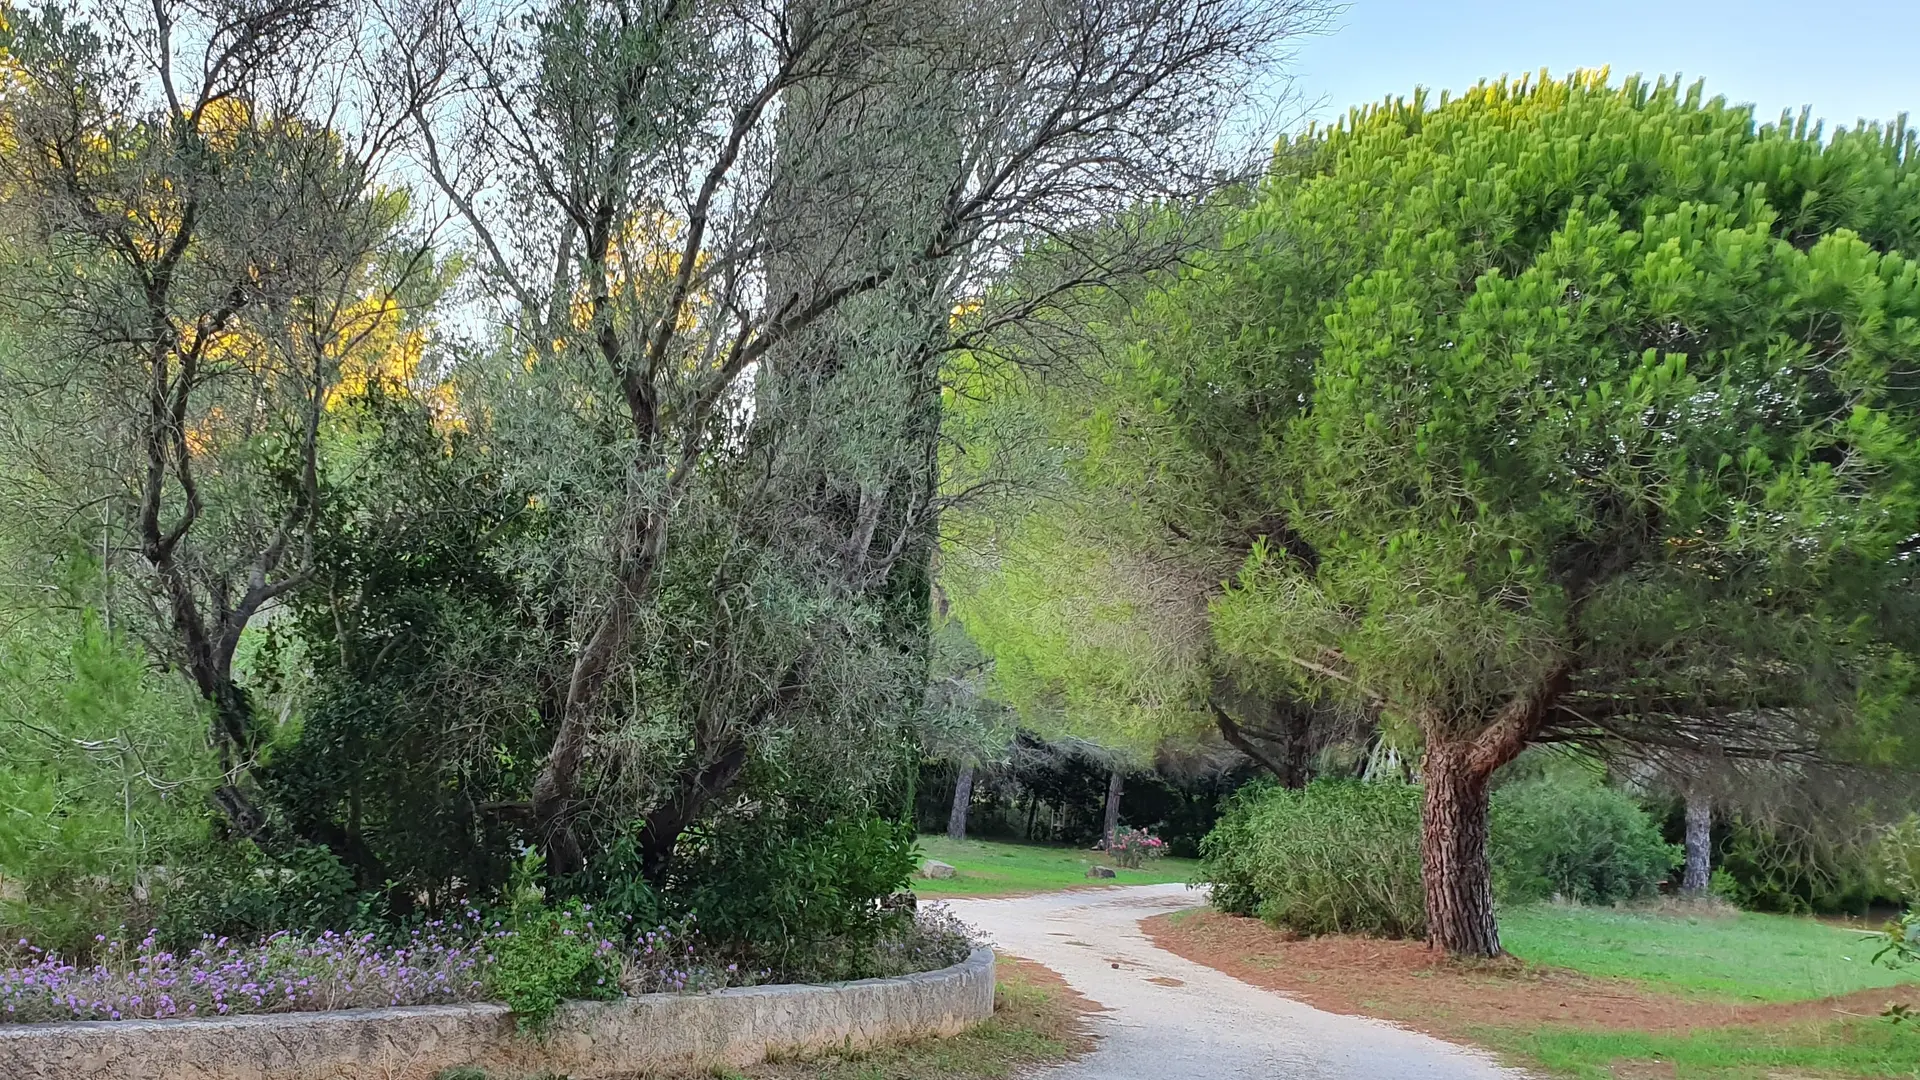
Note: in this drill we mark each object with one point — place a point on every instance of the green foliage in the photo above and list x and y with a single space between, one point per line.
243 891
413 660
1899 850
1337 856
555 952
1539 372
800 891
550 957
1584 842
1901 941
104 769
1723 886
1776 867
1344 856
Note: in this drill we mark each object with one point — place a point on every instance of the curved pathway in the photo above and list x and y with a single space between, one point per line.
1168 1018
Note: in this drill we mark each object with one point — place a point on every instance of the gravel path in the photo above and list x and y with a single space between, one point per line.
1168 1018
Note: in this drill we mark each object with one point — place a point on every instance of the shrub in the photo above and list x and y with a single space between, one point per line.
800 894
532 958
932 939
1901 945
243 892
1578 840
549 957
1338 856
1131 848
1900 858
1833 870
217 976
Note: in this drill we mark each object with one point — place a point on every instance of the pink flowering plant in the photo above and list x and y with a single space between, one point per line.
1131 847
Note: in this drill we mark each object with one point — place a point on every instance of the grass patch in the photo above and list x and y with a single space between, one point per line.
1737 957
992 868
1867 1047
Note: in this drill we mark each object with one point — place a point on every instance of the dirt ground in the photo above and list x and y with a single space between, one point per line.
1406 982
1037 1020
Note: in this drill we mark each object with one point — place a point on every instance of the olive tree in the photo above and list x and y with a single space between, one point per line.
729 248
1580 412
199 249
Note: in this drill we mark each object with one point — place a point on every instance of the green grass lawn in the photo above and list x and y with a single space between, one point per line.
1868 1047
1734 957
986 867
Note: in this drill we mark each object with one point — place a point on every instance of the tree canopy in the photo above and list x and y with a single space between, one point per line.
1563 410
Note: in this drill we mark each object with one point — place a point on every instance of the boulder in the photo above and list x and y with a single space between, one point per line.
1099 871
936 870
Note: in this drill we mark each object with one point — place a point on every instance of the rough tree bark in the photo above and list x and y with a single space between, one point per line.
1112 826
962 799
1453 851
1699 867
1457 775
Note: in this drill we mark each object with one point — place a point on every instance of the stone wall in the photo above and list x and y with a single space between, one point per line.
586 1039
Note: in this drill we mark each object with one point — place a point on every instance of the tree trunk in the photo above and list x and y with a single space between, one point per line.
1297 721
1453 851
1699 869
694 790
962 799
1113 809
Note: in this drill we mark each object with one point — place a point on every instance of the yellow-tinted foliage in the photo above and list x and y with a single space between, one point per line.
641 265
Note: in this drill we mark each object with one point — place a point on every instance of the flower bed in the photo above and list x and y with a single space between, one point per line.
443 962
588 1040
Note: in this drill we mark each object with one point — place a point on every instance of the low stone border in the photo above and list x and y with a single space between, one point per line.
586 1039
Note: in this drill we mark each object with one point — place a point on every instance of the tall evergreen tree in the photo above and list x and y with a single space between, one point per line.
1560 411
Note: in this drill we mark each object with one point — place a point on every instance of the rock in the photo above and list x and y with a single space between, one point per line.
936 870
1099 872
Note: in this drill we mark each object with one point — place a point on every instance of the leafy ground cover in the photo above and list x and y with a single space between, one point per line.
1596 993
987 868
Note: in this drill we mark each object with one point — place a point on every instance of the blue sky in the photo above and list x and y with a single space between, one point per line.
1846 58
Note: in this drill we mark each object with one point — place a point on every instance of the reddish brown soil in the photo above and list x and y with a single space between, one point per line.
1409 983
1019 971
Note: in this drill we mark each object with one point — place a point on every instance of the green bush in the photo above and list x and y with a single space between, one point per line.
1341 856
799 890
1794 871
1338 856
104 765
1900 858
1578 840
553 953
242 891
551 956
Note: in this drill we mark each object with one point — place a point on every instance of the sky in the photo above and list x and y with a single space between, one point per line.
1846 58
